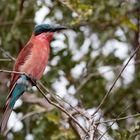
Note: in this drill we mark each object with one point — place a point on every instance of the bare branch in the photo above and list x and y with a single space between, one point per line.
62 109
26 116
115 121
34 99
55 95
106 95
7 54
8 71
47 99
119 119
77 130
95 130
5 60
91 75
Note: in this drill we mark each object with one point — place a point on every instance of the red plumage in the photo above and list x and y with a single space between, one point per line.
33 57
25 52
32 60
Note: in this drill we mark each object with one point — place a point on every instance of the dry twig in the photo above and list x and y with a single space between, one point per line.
47 99
119 75
7 54
62 109
114 121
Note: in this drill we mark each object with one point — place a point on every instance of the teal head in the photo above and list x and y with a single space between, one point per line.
47 28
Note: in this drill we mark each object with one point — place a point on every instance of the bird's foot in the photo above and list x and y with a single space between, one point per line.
32 79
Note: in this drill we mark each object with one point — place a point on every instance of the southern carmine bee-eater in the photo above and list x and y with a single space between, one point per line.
32 60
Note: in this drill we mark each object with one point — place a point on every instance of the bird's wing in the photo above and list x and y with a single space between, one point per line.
22 57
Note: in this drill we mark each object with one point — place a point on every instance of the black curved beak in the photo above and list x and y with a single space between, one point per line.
59 28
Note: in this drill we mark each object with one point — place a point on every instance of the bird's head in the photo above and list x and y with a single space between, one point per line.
47 29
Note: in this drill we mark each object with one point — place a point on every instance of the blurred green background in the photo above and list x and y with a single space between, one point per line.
83 64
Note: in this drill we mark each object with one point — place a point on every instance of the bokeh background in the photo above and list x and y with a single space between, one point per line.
83 64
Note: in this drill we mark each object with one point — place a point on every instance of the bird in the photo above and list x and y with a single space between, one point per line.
32 61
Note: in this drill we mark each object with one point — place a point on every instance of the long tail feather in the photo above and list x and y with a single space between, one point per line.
5 118
18 89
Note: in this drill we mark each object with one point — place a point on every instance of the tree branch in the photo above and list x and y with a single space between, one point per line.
62 109
47 99
119 119
7 54
106 95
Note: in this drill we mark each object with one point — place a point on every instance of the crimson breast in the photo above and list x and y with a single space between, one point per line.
37 60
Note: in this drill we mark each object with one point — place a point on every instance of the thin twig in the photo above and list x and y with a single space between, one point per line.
92 127
62 109
119 119
76 129
55 95
26 116
15 72
7 54
95 130
106 95
115 121
5 60
51 102
32 113
93 74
